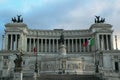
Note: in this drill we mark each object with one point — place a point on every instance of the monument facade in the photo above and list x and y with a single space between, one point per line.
60 51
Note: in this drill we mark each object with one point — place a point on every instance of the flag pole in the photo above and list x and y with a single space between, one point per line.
36 62
96 60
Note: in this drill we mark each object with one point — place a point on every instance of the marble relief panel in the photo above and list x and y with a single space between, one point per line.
48 66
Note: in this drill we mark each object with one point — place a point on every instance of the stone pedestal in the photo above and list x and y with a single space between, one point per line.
62 50
18 76
36 75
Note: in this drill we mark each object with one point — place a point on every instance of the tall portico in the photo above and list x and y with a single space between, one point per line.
103 34
15 34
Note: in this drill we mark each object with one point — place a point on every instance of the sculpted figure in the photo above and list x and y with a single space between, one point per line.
18 20
61 40
14 19
18 63
99 20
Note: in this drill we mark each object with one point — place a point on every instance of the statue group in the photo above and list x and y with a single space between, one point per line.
18 20
18 63
99 20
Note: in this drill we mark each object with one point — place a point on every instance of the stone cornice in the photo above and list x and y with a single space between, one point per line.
111 51
100 25
58 33
8 52
16 25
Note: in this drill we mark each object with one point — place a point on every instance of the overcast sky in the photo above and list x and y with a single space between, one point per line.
65 14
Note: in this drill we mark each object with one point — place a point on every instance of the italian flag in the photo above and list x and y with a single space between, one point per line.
90 42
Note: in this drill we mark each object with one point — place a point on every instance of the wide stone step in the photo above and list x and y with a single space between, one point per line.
68 77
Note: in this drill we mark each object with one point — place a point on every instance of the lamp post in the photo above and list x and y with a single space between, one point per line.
36 61
97 64
36 67
96 61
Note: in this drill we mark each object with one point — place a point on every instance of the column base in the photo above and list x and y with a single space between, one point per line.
18 76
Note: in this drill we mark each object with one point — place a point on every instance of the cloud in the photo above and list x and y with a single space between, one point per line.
66 14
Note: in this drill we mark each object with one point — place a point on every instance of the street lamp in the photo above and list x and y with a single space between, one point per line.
35 51
97 62
36 68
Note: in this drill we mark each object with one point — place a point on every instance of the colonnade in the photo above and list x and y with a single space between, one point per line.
12 41
105 42
52 45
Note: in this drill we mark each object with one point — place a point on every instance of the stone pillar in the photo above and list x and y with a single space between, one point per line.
53 45
6 42
2 42
18 76
88 47
102 43
111 41
37 45
72 46
57 44
45 45
79 49
29 44
76 48
98 43
107 42
34 45
68 45
65 42
84 46
11 44
41 45
16 41
49 45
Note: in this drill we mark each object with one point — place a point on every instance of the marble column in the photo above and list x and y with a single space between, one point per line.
84 46
38 44
6 42
65 42
107 42
41 45
45 45
29 44
16 39
97 42
2 42
49 45
53 45
72 45
68 45
79 49
57 44
111 41
102 43
76 48
34 44
88 47
11 45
